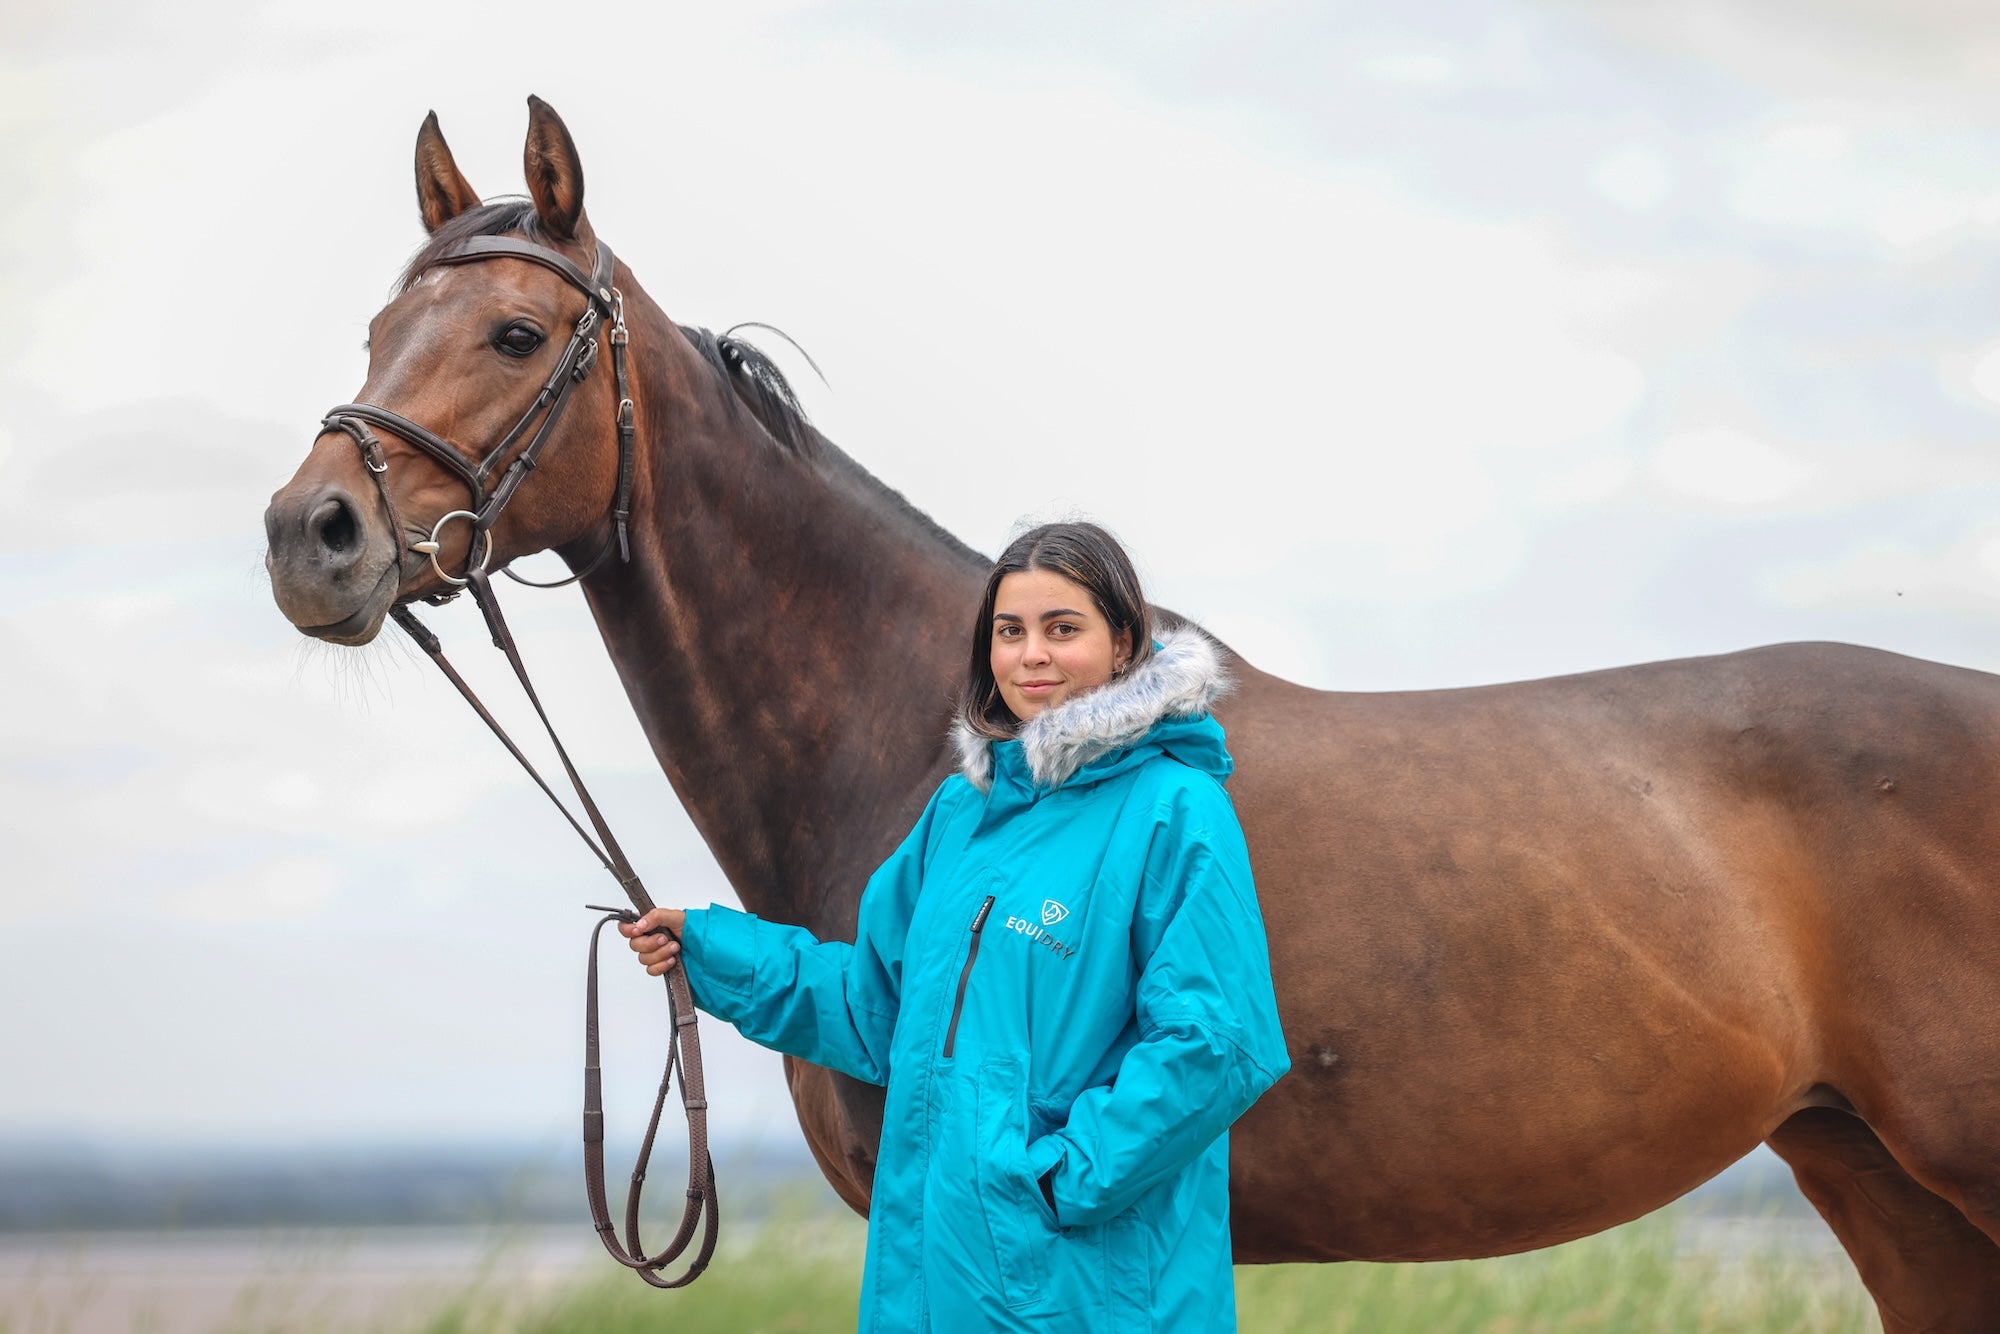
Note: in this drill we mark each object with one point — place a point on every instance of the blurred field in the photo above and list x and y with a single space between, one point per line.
493 1242
1640 1279
1678 1271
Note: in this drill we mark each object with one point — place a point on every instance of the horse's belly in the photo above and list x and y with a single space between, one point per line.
1501 1163
1515 1068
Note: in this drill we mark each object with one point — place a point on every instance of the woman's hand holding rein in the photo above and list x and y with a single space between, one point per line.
655 950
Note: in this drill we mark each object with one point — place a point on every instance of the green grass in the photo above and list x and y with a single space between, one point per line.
1634 1280
795 1275
803 1276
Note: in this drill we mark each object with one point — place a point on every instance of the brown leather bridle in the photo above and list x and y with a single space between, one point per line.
572 368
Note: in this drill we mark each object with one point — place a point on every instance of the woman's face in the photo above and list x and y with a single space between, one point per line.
1050 643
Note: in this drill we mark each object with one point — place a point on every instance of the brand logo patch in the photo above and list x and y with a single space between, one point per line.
1042 936
1052 912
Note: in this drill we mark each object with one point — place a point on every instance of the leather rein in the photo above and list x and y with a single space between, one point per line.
606 305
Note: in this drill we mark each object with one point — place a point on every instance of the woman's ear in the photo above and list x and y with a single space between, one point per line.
1121 651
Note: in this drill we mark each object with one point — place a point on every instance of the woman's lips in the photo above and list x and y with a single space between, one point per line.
1036 687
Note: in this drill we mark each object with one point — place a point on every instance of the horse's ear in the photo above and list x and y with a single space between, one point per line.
442 190
555 174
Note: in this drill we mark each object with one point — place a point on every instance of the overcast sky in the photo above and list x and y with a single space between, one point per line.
1408 346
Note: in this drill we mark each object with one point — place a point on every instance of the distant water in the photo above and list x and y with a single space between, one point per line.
88 1188
184 1282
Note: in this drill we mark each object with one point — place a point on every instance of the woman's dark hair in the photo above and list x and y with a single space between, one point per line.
1085 555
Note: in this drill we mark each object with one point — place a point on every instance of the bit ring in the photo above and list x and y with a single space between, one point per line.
430 547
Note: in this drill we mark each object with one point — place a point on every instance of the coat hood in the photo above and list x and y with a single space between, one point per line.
1179 681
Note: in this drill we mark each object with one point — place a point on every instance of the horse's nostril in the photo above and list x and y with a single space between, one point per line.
333 521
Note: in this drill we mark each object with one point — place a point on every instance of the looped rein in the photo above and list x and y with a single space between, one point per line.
701 1203
684 1045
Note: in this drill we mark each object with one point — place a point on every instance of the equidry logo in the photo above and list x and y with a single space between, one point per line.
1052 912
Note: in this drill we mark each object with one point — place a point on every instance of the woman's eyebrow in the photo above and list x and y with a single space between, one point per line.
1046 616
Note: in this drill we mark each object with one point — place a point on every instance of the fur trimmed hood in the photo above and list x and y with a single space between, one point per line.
1181 679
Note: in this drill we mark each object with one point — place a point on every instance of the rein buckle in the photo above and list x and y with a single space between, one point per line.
618 335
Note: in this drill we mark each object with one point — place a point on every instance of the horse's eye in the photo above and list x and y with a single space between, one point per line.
518 340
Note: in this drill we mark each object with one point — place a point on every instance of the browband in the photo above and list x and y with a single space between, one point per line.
596 286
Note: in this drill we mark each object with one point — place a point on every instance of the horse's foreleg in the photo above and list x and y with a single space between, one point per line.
1926 1266
840 1129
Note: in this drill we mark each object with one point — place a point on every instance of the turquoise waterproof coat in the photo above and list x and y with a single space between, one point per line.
1062 971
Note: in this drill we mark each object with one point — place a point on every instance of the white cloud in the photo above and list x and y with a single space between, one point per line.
1810 140
1725 466
1424 69
1940 54
1961 577
1983 376
1914 179
277 889
1907 217
292 791
1634 177
1281 647
1594 480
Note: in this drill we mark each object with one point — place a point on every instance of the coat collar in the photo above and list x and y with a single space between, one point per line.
1183 676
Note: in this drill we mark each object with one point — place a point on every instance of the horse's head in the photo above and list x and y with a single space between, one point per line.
502 312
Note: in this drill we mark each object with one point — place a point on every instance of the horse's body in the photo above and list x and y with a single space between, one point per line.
1549 954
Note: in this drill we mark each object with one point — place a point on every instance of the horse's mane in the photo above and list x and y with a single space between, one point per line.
758 383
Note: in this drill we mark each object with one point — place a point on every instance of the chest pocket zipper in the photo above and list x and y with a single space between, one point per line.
965 973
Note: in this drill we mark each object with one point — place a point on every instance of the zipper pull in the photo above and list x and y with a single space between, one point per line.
965 975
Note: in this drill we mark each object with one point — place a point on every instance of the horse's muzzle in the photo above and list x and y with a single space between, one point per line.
334 572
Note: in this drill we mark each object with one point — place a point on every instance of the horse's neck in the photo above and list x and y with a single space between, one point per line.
791 635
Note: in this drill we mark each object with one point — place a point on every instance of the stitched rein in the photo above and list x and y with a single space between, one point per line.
684 1046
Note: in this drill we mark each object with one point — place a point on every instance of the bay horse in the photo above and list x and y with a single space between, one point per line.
1548 954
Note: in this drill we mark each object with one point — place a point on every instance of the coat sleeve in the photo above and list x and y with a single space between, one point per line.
827 1002
1209 1043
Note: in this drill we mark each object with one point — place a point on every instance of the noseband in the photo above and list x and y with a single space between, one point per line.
684 1046
607 303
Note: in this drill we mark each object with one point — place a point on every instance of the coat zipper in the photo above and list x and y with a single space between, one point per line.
965 973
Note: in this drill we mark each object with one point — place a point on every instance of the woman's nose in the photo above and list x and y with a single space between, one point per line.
1036 650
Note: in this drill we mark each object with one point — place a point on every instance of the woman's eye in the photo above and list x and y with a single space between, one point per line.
1061 631
518 340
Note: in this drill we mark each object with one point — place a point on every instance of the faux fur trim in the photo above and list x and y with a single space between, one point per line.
1183 677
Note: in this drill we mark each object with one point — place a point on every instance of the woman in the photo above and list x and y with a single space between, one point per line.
1060 976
